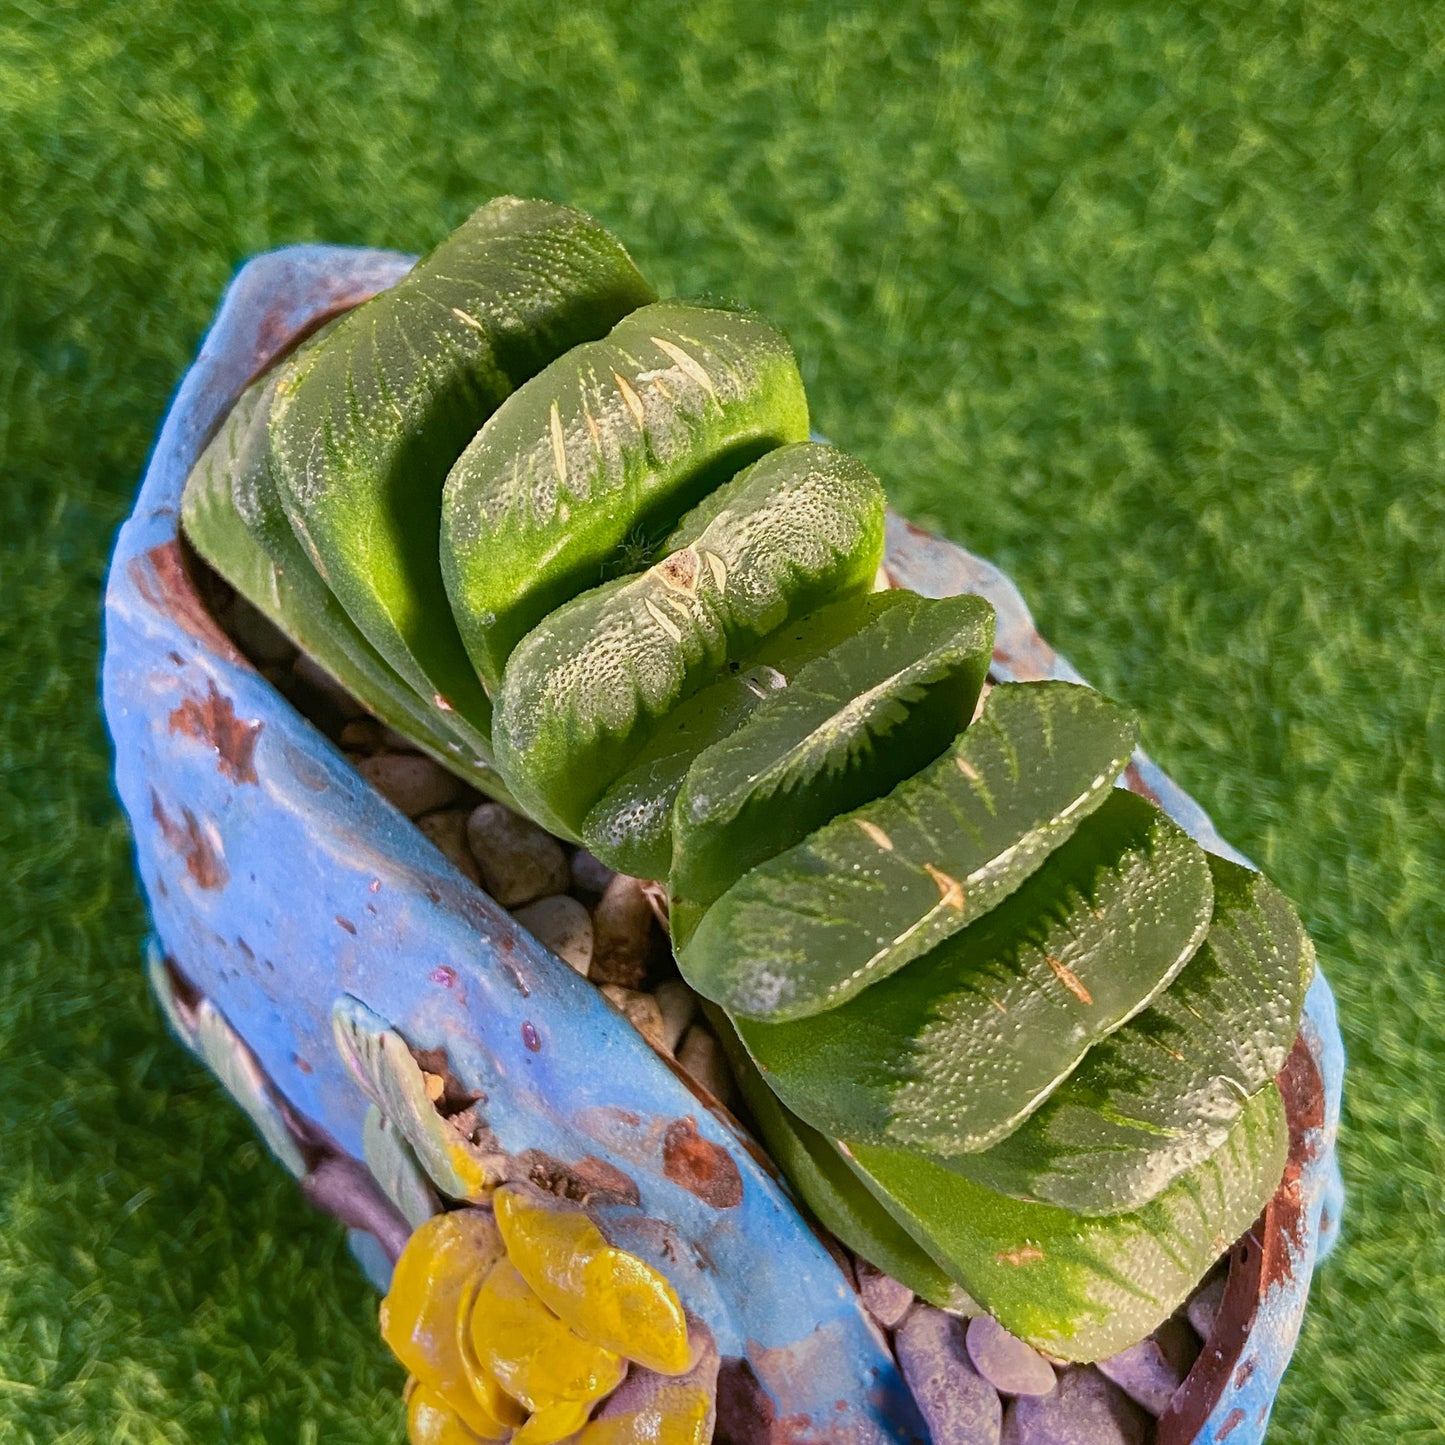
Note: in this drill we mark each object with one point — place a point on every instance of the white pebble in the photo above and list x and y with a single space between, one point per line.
363 735
700 1056
516 859
447 830
639 1009
413 783
622 923
563 925
678 1004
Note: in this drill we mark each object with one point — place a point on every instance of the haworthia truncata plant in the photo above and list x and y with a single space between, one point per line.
1010 1033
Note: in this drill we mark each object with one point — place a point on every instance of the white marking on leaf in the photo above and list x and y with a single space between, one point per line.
663 620
631 398
688 365
559 445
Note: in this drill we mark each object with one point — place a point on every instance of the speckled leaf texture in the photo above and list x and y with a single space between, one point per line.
878 887
848 727
950 1053
1079 1288
630 826
585 690
816 1169
588 466
366 430
1153 1099
234 518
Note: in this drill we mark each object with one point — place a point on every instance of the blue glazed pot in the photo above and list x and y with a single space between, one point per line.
304 928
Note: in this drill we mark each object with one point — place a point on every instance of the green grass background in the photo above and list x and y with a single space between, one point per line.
1142 300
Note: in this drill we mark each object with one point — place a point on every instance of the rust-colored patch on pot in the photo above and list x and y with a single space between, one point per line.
1183 1418
1134 781
212 720
1304 1106
163 579
745 1411
1264 1258
719 1111
279 335
776 1372
203 857
700 1166
1037 665
1232 1422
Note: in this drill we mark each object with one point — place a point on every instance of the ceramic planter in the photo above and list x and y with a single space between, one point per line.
304 928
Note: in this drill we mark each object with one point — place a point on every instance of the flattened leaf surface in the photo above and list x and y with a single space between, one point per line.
882 885
1152 1100
587 690
598 456
1083 1289
850 726
234 518
630 827
815 1168
949 1054
367 427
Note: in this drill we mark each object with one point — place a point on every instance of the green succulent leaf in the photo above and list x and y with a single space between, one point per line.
949 1054
1152 1100
233 517
1079 1288
850 726
882 885
830 1188
583 470
630 827
588 689
369 424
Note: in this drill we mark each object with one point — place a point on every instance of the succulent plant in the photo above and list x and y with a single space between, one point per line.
1009 1031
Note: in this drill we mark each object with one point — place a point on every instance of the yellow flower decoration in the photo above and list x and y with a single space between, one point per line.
516 1323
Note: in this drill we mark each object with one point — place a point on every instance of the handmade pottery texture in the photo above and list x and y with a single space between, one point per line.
283 887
